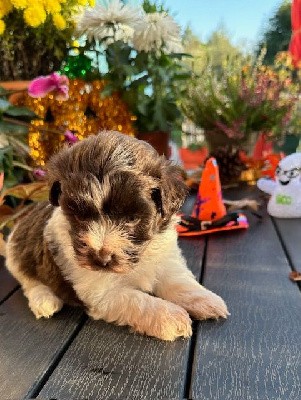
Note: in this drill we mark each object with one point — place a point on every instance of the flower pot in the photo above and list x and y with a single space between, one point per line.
217 140
15 85
158 139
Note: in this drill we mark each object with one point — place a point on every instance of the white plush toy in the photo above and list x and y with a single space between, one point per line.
285 191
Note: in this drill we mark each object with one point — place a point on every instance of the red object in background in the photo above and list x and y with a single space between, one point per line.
295 43
270 164
262 148
193 159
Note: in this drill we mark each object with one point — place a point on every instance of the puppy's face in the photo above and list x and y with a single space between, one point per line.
114 210
112 219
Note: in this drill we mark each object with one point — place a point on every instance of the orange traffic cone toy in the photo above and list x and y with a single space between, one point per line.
209 205
209 212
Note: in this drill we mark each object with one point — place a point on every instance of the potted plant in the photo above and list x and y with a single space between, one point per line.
34 36
139 53
241 100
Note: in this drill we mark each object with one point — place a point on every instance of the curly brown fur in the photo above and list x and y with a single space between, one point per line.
107 240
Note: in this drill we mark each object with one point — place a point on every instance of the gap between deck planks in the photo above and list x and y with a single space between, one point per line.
255 354
103 360
250 356
8 285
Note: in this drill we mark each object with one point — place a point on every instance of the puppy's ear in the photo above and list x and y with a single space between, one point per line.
54 194
173 189
157 199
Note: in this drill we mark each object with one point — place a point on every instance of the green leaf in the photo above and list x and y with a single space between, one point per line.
179 56
18 145
107 91
14 129
3 92
183 76
23 166
20 112
143 107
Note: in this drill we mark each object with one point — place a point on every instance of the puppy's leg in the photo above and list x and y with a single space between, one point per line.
178 285
42 301
144 313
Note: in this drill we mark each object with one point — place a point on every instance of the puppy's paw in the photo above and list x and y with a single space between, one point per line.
169 323
43 303
207 305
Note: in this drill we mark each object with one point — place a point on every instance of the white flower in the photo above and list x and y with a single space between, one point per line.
110 22
157 31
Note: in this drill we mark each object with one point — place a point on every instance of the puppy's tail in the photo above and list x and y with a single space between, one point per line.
2 246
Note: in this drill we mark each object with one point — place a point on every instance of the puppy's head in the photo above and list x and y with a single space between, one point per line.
117 193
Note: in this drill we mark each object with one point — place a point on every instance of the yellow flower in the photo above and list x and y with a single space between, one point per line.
59 21
91 3
5 7
2 27
19 3
82 2
34 15
52 6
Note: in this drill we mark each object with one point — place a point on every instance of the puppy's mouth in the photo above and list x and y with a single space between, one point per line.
118 269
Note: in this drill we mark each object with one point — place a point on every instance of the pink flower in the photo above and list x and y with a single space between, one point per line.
70 137
39 173
1 180
41 86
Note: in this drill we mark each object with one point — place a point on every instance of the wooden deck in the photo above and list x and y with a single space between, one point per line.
255 354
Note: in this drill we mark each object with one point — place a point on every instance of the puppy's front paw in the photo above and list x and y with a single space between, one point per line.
155 317
169 323
43 303
206 305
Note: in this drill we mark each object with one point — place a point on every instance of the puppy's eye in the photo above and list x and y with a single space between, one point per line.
81 210
132 221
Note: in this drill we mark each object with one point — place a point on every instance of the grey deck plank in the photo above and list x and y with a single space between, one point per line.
290 231
255 354
108 362
28 347
7 282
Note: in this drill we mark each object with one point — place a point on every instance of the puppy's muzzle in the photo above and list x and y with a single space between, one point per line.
103 259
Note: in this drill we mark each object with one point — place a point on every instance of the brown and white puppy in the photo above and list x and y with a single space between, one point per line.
107 241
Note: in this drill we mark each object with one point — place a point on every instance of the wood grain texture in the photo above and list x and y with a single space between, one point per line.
255 354
193 250
29 346
192 247
290 231
108 362
7 282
